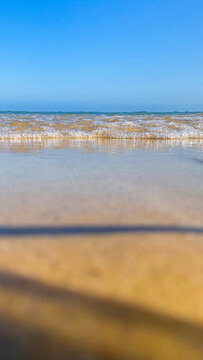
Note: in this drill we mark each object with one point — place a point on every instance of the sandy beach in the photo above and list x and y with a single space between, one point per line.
101 180
101 251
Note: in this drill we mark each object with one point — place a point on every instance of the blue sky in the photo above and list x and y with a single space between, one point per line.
101 55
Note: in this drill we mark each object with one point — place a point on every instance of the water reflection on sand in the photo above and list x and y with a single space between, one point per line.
95 145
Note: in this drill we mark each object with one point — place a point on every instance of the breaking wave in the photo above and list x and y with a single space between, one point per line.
180 126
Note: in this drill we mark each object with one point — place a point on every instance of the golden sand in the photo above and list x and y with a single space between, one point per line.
102 297
101 264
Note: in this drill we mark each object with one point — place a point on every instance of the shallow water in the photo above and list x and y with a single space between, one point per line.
179 126
89 182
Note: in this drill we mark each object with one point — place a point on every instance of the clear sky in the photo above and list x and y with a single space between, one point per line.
101 55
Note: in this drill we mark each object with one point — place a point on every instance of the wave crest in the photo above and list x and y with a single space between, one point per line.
101 126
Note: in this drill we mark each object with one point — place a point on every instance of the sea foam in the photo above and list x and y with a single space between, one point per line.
101 126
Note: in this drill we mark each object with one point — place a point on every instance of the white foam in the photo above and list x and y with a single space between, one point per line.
118 126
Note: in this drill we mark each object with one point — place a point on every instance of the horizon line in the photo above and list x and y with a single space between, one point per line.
102 112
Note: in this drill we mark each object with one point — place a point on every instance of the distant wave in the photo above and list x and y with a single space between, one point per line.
142 125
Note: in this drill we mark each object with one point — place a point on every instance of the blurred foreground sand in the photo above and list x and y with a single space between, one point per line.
137 296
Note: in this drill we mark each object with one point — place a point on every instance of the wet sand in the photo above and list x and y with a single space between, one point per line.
101 252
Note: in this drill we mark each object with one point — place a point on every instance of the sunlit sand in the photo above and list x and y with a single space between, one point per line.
101 251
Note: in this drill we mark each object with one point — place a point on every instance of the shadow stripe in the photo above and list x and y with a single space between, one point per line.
96 230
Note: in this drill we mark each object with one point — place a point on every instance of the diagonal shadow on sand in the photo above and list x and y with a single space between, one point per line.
15 231
86 318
